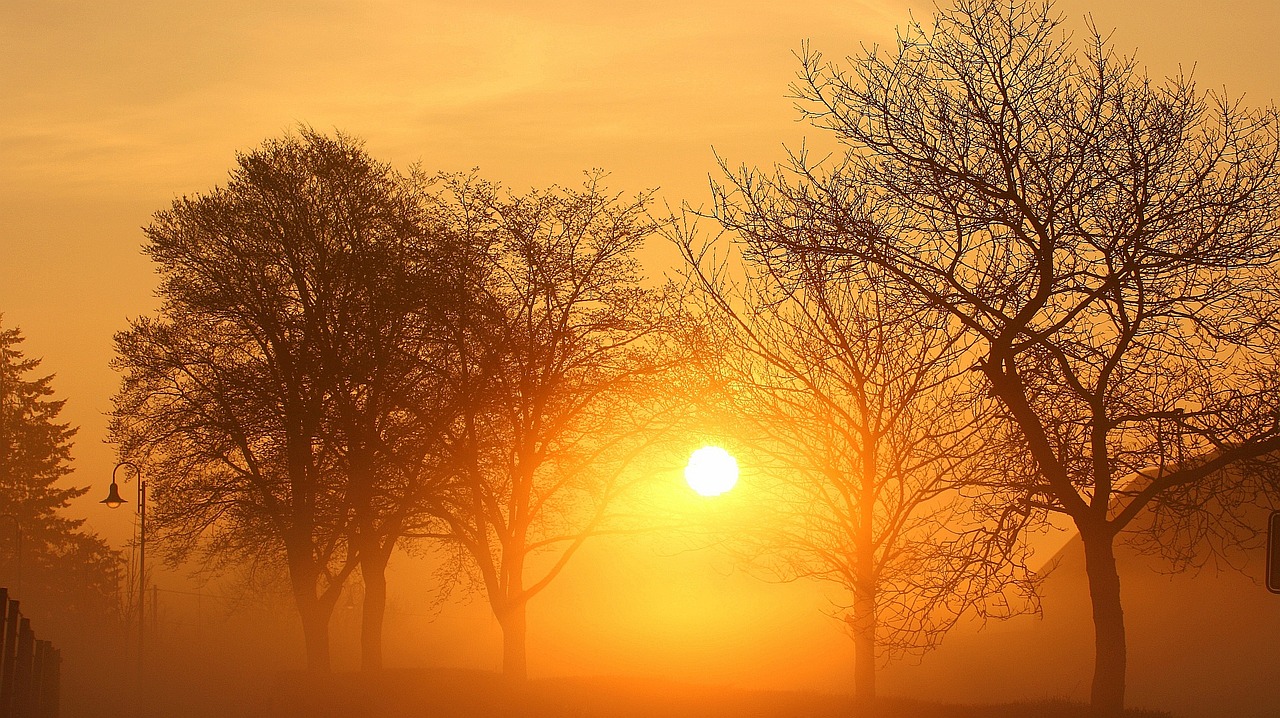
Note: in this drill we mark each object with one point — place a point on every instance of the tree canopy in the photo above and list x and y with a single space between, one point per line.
1109 241
562 366
860 417
275 397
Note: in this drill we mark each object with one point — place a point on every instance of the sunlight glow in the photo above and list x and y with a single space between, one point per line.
711 471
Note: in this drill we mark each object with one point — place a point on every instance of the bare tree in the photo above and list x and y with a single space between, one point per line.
274 399
856 412
1109 242
562 371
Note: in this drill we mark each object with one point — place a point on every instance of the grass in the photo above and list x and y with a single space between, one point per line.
444 693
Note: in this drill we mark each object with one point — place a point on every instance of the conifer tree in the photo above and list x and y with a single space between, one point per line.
63 571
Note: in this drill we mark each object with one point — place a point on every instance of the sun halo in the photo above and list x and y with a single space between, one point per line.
711 471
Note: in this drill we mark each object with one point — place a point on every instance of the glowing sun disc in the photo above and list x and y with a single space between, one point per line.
711 471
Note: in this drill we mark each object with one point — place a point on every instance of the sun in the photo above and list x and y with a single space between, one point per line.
711 471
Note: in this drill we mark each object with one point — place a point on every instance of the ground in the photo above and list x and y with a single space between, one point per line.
448 693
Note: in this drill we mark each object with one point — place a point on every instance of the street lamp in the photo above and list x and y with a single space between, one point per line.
114 500
17 528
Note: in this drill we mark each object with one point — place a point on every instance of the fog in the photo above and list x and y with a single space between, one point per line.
110 112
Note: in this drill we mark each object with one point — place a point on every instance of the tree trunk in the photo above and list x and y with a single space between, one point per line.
866 577
315 632
515 665
373 569
1107 698
864 645
314 611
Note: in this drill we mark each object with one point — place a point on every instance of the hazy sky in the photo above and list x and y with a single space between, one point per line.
108 110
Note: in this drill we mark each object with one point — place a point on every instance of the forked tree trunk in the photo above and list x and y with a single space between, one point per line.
315 611
373 570
1107 697
315 632
373 557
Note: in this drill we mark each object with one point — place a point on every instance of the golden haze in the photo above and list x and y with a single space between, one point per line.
110 110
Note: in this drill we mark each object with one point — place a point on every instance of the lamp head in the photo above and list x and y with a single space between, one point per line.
113 499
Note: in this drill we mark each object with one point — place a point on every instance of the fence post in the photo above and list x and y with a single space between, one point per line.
22 668
30 669
4 654
8 687
35 694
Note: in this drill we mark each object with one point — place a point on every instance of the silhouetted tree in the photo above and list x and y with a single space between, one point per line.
69 578
562 371
855 410
274 401
1110 243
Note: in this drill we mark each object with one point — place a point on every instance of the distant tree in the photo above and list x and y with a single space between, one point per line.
274 400
1110 243
855 409
562 365
69 578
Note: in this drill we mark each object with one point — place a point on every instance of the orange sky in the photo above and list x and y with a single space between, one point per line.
109 110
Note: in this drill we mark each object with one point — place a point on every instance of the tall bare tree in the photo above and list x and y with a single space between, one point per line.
858 415
274 402
563 373
1109 242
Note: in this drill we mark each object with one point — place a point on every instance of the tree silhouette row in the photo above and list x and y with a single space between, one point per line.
1034 282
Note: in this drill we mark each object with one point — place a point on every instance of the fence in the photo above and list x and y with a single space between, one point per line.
30 669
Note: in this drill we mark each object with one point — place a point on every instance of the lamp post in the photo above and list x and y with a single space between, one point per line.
114 500
17 528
